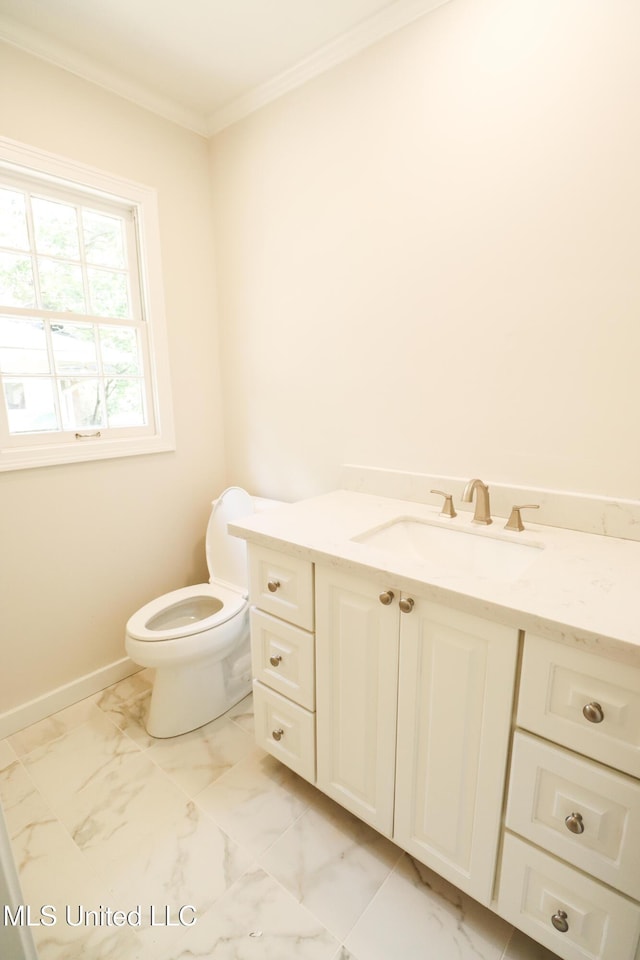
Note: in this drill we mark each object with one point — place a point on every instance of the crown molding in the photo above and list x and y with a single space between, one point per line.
73 61
387 21
374 28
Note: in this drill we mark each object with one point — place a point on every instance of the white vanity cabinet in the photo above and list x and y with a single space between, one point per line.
507 761
413 721
570 872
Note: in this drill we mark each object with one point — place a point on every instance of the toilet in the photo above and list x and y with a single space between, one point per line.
197 638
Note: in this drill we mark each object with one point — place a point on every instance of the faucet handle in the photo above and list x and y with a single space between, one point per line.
448 509
515 520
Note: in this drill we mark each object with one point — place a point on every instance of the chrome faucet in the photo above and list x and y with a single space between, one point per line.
482 512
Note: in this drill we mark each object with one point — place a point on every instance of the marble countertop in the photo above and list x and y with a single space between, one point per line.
580 588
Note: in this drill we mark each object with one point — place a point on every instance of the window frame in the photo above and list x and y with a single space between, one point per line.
18 451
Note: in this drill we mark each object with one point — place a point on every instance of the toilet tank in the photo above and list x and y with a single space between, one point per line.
262 503
226 555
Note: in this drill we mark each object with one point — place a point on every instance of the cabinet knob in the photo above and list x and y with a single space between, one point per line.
593 712
406 604
277 734
273 585
559 920
574 823
386 598
275 661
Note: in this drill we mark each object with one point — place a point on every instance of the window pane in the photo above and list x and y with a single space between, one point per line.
23 346
13 220
56 228
109 293
74 347
103 239
125 403
119 349
16 281
61 286
80 403
30 404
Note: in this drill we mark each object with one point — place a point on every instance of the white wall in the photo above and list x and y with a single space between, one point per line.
429 257
84 545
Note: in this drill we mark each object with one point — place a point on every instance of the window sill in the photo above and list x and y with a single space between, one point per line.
86 450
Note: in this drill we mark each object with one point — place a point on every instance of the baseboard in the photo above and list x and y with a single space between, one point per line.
85 686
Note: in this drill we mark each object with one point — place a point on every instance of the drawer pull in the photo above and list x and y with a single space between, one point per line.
386 598
559 920
273 585
593 712
574 823
277 734
406 605
275 661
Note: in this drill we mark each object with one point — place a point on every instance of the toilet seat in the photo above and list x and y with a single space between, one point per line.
232 602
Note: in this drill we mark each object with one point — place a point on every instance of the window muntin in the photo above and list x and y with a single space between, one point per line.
76 291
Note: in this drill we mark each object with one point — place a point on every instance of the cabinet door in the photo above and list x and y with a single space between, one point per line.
455 703
356 695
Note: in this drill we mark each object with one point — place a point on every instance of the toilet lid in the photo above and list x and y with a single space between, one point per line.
227 555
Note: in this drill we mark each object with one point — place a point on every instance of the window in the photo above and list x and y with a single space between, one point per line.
83 360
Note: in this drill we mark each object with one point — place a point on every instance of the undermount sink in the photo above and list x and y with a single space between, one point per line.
450 551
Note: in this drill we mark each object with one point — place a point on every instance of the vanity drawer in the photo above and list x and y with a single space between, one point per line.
285 730
535 887
281 585
583 812
283 658
582 701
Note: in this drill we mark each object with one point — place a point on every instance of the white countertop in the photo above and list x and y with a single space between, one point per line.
581 588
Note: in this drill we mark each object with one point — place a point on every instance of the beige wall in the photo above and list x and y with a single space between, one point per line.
429 257
83 546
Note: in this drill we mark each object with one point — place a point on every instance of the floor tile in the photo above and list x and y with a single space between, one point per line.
126 704
188 861
42 849
86 941
86 754
7 754
255 920
242 714
256 801
59 877
417 915
197 759
112 812
52 728
101 814
21 801
332 863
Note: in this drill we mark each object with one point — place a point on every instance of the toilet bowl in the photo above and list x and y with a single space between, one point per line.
197 638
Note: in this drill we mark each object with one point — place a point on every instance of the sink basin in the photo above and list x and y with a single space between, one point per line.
450 551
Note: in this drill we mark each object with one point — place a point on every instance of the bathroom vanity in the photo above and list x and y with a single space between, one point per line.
472 693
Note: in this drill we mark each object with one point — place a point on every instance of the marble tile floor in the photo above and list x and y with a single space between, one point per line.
103 818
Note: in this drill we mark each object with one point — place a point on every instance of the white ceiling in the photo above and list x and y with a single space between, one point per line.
201 63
